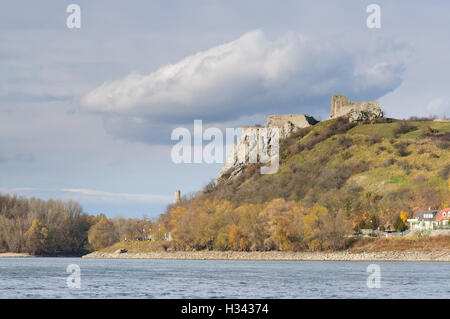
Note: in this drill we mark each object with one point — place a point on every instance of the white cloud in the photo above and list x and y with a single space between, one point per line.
96 195
251 75
439 106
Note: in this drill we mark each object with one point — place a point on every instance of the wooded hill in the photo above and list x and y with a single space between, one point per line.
335 178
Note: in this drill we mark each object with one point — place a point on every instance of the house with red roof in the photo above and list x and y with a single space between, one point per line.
443 217
430 219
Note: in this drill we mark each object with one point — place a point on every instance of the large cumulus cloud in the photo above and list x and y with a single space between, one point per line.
249 76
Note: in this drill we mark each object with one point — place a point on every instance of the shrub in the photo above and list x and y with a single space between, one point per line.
429 131
421 151
445 172
443 141
404 127
421 119
420 179
344 141
434 155
296 168
373 139
346 155
389 162
404 164
402 148
210 187
340 126
301 132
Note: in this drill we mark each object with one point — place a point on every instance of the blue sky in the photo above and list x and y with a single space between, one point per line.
87 113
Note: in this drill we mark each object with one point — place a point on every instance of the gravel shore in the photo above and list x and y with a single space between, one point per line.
14 255
438 255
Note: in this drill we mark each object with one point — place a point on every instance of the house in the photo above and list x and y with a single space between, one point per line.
443 217
424 220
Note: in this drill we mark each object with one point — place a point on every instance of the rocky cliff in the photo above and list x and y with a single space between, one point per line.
248 142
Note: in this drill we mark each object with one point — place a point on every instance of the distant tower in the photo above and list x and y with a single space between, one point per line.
177 197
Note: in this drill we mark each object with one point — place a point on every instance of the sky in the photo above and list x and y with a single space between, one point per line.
87 113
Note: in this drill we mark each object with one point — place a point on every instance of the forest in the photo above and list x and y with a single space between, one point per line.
57 228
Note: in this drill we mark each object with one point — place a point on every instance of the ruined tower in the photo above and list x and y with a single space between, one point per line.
177 196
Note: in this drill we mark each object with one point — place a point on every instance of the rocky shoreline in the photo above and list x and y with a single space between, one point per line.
435 256
14 255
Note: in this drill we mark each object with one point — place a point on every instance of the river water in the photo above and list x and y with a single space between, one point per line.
148 278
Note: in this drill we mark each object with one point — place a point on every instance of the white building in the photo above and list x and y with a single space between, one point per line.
423 220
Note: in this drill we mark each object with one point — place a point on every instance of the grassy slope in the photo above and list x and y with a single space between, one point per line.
421 167
401 244
381 179
366 245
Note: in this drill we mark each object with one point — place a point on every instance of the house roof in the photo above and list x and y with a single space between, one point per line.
429 215
441 216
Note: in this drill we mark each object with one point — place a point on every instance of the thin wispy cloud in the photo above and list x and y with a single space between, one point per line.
85 195
108 196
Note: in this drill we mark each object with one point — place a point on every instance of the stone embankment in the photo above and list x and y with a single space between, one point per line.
436 255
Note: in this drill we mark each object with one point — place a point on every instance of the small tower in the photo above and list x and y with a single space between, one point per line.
177 196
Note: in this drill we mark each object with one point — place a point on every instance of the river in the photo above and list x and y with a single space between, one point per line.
150 278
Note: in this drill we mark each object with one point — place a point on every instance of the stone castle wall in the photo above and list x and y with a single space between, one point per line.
342 106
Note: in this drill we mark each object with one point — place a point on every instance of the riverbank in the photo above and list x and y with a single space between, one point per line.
436 255
14 255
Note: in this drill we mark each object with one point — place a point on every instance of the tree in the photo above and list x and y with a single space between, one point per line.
251 227
313 226
102 234
236 239
403 216
35 238
399 225
373 222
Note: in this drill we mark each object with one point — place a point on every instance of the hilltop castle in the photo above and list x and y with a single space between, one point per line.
290 123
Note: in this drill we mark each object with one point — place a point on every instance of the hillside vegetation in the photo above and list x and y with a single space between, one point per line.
334 161
335 178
